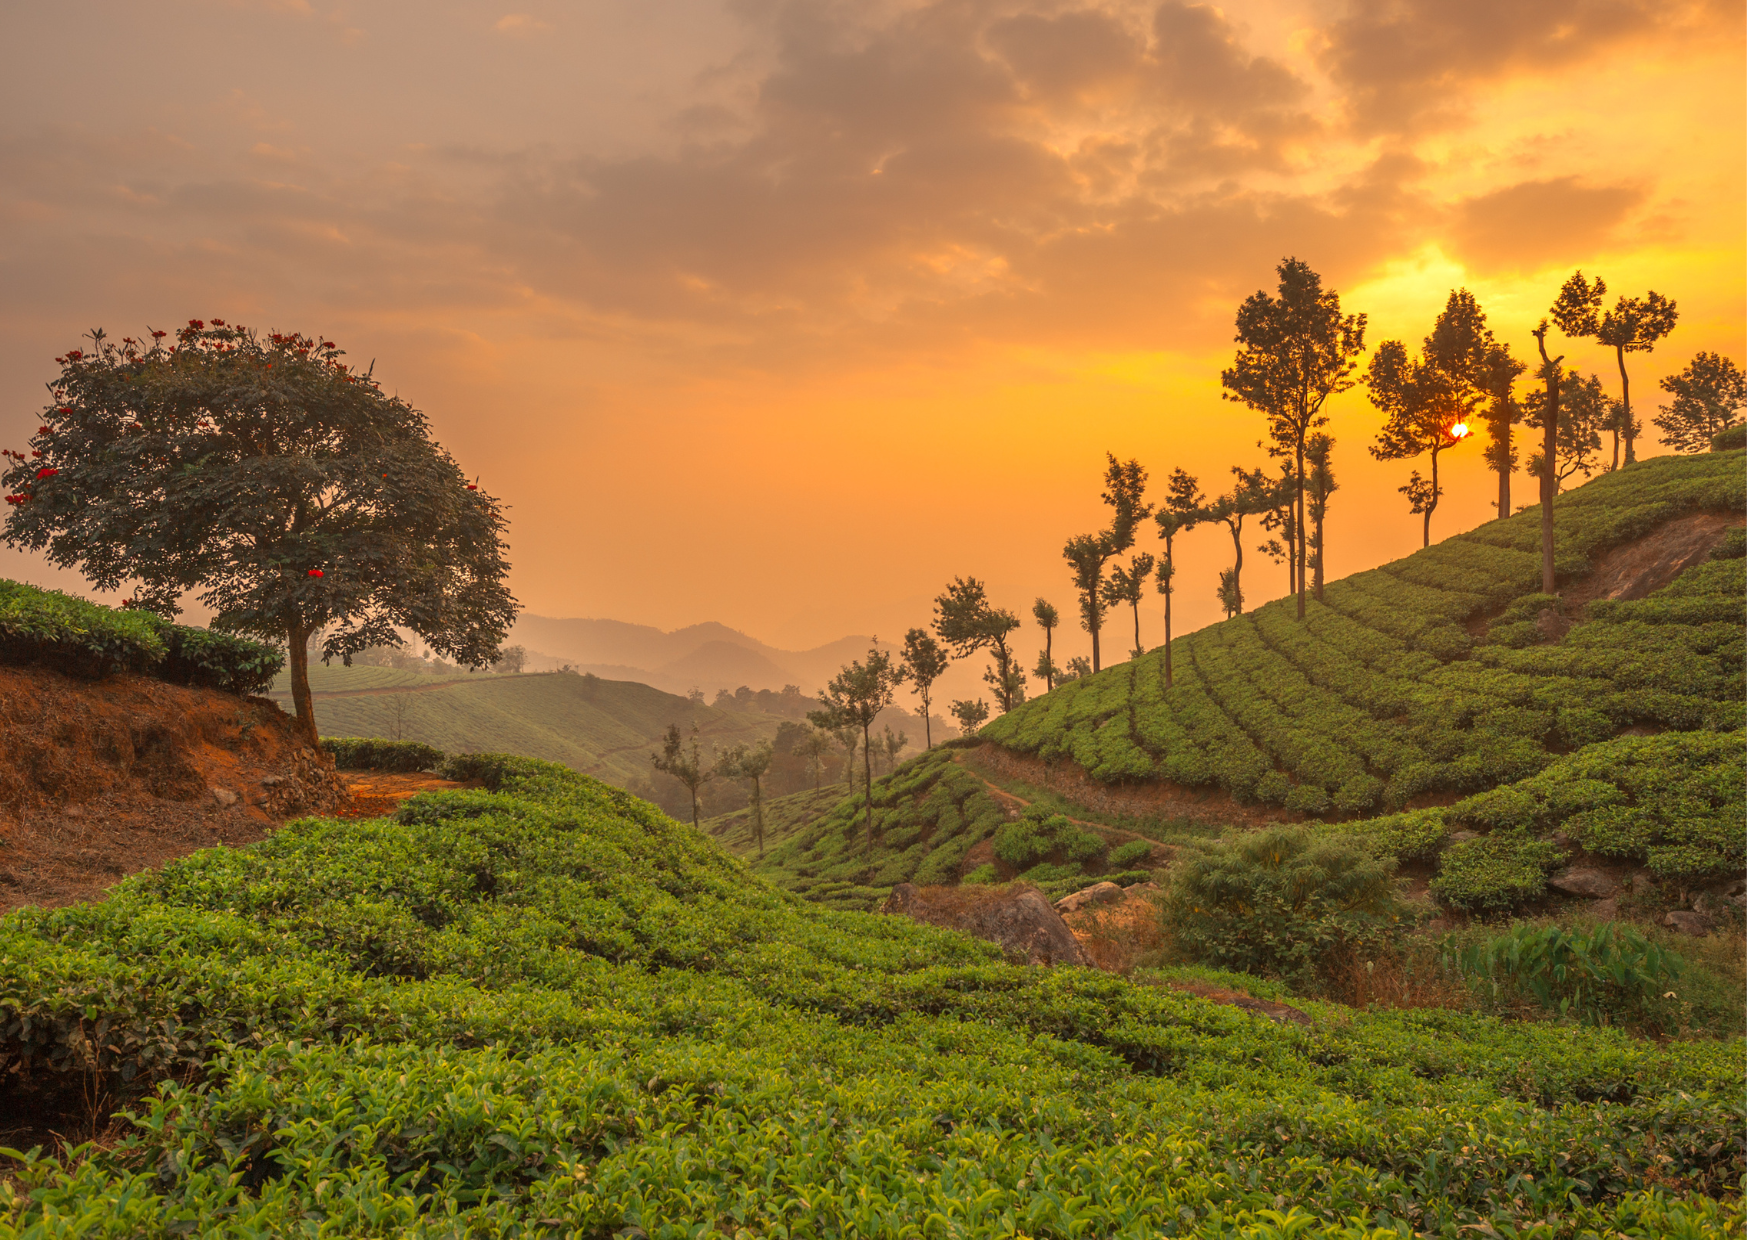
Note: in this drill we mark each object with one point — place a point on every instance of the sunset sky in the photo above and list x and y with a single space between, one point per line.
781 314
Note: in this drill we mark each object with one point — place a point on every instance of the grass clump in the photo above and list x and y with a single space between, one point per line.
373 754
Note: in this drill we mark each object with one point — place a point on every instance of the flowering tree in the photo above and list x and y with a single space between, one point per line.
279 482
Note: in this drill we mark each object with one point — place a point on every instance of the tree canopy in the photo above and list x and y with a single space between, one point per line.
968 622
1709 396
280 484
853 700
923 663
1635 325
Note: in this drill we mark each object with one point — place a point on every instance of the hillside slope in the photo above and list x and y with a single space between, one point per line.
547 1010
1440 691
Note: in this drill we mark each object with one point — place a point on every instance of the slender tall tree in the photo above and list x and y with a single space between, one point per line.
685 763
1550 409
1180 512
1585 412
923 663
1295 352
1087 554
1424 410
1126 585
1635 325
971 713
1709 396
967 621
1478 371
853 700
1320 484
1253 492
1048 618
1284 517
749 762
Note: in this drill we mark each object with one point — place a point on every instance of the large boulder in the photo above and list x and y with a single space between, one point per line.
1583 880
1098 893
1017 919
1688 922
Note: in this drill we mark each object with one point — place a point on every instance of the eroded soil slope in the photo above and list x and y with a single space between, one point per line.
102 778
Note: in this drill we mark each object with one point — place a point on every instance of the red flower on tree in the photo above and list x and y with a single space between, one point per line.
315 572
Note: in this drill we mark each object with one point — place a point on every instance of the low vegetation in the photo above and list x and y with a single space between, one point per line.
85 639
548 1009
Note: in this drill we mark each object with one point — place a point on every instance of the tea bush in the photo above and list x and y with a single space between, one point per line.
544 1008
369 754
81 638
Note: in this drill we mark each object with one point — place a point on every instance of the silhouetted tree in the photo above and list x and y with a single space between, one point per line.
1635 325
1585 411
1252 493
1709 396
1048 618
1077 668
1087 554
1550 410
967 622
971 714
1320 484
813 748
1424 408
1180 512
511 659
1295 352
285 486
891 745
1126 585
1283 517
923 663
854 699
749 762
684 762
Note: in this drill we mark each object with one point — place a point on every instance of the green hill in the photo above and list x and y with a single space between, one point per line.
547 1010
1420 699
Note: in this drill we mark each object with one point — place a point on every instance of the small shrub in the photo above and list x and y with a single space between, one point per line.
1494 873
1279 902
208 660
1308 799
1731 438
1076 844
75 636
1123 856
371 754
1021 843
1359 794
983 876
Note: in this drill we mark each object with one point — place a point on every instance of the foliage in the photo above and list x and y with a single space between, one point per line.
547 1008
81 638
971 714
685 763
1279 902
853 700
1087 554
968 622
1609 974
923 663
369 754
1635 325
1710 394
1495 872
288 489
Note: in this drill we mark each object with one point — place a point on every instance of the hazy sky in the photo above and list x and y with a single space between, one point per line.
782 314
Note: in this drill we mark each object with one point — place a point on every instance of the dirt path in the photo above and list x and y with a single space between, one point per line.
376 793
1156 799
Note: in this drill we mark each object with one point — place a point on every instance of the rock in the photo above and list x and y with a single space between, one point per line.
1583 880
1688 922
1707 903
1021 922
224 796
272 781
1098 893
1736 888
1140 889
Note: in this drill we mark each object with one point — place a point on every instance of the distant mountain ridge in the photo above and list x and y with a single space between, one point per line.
707 656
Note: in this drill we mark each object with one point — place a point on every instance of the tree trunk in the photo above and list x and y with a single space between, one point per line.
301 701
1620 357
1551 417
1237 558
1093 626
868 785
1168 575
1050 672
1135 607
1426 524
1505 468
1317 559
927 743
1298 539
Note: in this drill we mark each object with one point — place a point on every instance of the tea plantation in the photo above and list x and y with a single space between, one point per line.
1430 678
547 1010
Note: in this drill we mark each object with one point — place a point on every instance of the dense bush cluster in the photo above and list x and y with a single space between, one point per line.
546 1009
80 638
1384 695
367 754
1280 903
